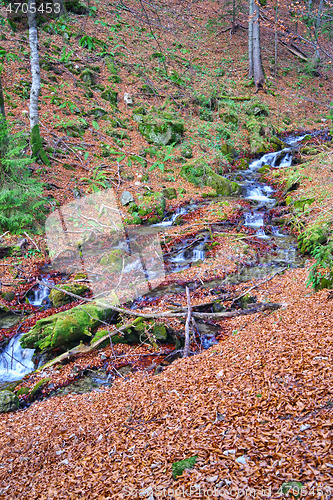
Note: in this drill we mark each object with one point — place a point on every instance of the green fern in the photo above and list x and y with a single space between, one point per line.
22 205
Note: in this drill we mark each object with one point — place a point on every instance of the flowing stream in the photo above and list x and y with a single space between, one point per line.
15 362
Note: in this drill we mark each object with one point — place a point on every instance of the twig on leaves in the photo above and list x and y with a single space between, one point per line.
187 324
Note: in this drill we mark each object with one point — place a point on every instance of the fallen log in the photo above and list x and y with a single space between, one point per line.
84 349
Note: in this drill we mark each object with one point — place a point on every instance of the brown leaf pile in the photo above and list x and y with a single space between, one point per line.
256 409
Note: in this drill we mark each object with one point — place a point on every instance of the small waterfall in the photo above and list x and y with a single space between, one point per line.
40 296
15 362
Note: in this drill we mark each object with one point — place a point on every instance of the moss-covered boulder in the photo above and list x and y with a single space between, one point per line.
59 298
258 132
98 113
277 143
75 7
161 129
229 118
88 76
194 171
114 259
152 210
169 193
66 329
222 185
110 95
8 401
38 387
256 108
116 339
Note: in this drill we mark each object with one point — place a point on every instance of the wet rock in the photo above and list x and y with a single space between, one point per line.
7 318
222 185
8 401
277 143
126 198
59 299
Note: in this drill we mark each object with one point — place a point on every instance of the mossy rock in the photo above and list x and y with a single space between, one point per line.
222 185
9 296
154 208
229 118
88 77
59 299
256 108
114 259
194 171
258 144
169 193
24 391
160 130
110 95
38 387
75 7
244 164
8 401
146 330
66 328
312 238
228 150
264 169
80 276
98 113
275 141
187 152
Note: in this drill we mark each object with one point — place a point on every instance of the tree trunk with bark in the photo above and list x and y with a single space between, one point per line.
258 72
36 142
251 10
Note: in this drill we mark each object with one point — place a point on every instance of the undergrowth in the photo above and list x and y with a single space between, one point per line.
22 205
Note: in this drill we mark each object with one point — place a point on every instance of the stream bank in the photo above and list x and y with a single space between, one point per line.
265 248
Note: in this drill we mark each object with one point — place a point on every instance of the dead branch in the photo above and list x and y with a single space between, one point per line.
187 324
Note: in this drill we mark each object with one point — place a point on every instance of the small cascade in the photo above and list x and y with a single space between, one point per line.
185 257
40 296
168 221
15 362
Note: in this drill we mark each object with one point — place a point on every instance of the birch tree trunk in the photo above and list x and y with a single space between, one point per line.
258 72
36 143
251 10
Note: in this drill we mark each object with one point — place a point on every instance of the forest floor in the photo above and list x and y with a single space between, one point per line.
256 408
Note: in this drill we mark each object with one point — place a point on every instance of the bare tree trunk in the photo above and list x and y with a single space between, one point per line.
251 10
36 143
258 71
233 14
317 27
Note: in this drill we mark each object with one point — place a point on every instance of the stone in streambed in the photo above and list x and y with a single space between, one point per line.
8 401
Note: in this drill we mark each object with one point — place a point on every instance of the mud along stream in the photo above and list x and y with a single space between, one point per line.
16 362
